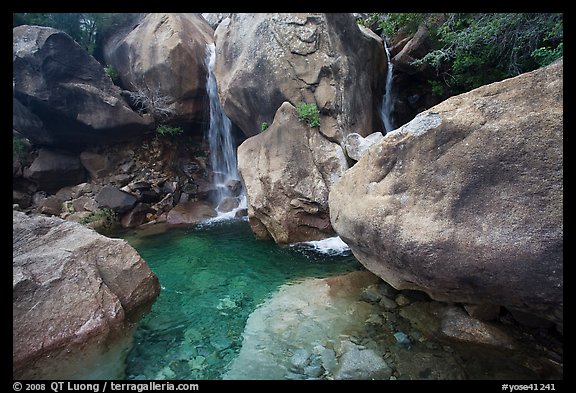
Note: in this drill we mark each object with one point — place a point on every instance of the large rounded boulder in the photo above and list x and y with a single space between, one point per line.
75 298
160 60
74 101
263 60
465 202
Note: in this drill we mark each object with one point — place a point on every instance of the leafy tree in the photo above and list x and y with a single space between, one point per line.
473 49
483 48
84 28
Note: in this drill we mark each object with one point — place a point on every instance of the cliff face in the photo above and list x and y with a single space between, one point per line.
76 295
465 201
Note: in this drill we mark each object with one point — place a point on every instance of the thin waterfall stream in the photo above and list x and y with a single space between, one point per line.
386 109
222 146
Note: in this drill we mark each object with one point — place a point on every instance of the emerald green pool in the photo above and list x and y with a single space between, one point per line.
212 277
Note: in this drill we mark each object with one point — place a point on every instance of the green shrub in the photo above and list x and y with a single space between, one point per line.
167 130
18 147
308 113
264 126
108 216
112 73
437 88
546 55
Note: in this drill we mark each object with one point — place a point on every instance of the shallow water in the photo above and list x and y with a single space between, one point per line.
212 277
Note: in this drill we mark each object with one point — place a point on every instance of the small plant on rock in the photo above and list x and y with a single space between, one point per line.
308 113
167 130
112 73
264 126
103 214
18 146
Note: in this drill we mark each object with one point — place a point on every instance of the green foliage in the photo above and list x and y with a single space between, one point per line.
18 147
85 28
546 55
308 113
264 126
482 48
437 88
393 22
112 73
167 130
106 215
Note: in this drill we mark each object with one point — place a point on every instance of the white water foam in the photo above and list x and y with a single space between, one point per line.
330 246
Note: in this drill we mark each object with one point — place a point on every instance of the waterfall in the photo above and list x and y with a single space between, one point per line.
386 109
222 148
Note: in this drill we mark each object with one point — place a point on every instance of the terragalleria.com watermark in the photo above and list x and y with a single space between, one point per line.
97 387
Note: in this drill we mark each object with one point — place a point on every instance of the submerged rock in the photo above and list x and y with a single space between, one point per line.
76 295
358 363
295 320
465 202
190 213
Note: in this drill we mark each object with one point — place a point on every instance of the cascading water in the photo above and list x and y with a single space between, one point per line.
386 109
222 149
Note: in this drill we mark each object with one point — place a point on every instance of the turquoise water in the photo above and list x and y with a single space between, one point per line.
212 277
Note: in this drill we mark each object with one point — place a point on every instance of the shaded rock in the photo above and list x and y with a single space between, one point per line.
73 293
402 339
51 206
402 300
264 60
228 204
190 213
357 363
115 199
136 216
52 170
97 165
387 303
214 19
300 358
84 203
356 145
286 189
483 312
530 320
160 60
68 90
27 123
122 179
453 324
465 201
241 213
65 193
459 326
234 187
23 199
412 91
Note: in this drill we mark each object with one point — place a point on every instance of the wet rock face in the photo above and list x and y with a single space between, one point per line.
74 101
465 201
263 60
74 292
